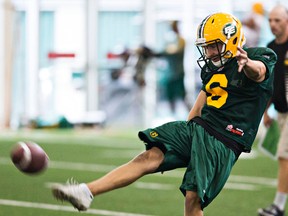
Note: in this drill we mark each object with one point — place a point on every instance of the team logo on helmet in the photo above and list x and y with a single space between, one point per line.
229 30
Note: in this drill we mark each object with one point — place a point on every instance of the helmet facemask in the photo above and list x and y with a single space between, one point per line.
216 61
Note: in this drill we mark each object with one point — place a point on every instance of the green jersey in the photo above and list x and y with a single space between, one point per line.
235 104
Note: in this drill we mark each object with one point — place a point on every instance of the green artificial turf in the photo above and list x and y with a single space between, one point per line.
88 154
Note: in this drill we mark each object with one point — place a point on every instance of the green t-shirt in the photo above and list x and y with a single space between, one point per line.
235 104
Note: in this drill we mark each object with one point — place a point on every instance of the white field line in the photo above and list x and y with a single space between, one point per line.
64 208
254 180
234 181
120 145
228 185
101 141
240 186
154 186
68 165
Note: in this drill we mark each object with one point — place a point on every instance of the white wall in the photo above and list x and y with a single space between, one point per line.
2 92
6 42
70 35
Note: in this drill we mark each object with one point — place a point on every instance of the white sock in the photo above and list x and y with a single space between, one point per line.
280 200
86 190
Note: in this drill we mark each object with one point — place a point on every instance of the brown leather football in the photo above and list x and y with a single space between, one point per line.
29 157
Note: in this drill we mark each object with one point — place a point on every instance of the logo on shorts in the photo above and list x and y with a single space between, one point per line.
153 134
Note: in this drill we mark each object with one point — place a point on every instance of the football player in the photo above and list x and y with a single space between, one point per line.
237 84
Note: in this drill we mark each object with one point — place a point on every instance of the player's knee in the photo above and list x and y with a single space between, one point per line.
150 159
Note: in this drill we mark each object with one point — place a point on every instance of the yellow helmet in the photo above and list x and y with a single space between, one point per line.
258 8
220 28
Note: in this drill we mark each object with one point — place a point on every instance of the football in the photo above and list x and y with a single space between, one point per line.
29 157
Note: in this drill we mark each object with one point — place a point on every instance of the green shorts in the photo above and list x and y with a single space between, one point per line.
187 144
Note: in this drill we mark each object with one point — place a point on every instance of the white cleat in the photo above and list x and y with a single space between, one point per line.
77 194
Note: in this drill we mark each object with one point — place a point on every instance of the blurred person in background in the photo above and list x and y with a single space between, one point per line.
252 24
278 20
236 84
174 76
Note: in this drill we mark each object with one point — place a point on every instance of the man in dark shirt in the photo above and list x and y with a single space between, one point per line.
278 20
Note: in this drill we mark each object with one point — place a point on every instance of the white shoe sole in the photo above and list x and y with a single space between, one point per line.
61 195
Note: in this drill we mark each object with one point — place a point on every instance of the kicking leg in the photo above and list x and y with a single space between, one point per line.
145 163
81 195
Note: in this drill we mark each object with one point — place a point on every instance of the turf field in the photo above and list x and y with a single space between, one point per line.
88 154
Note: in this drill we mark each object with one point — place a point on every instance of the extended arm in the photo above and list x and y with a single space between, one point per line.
254 70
